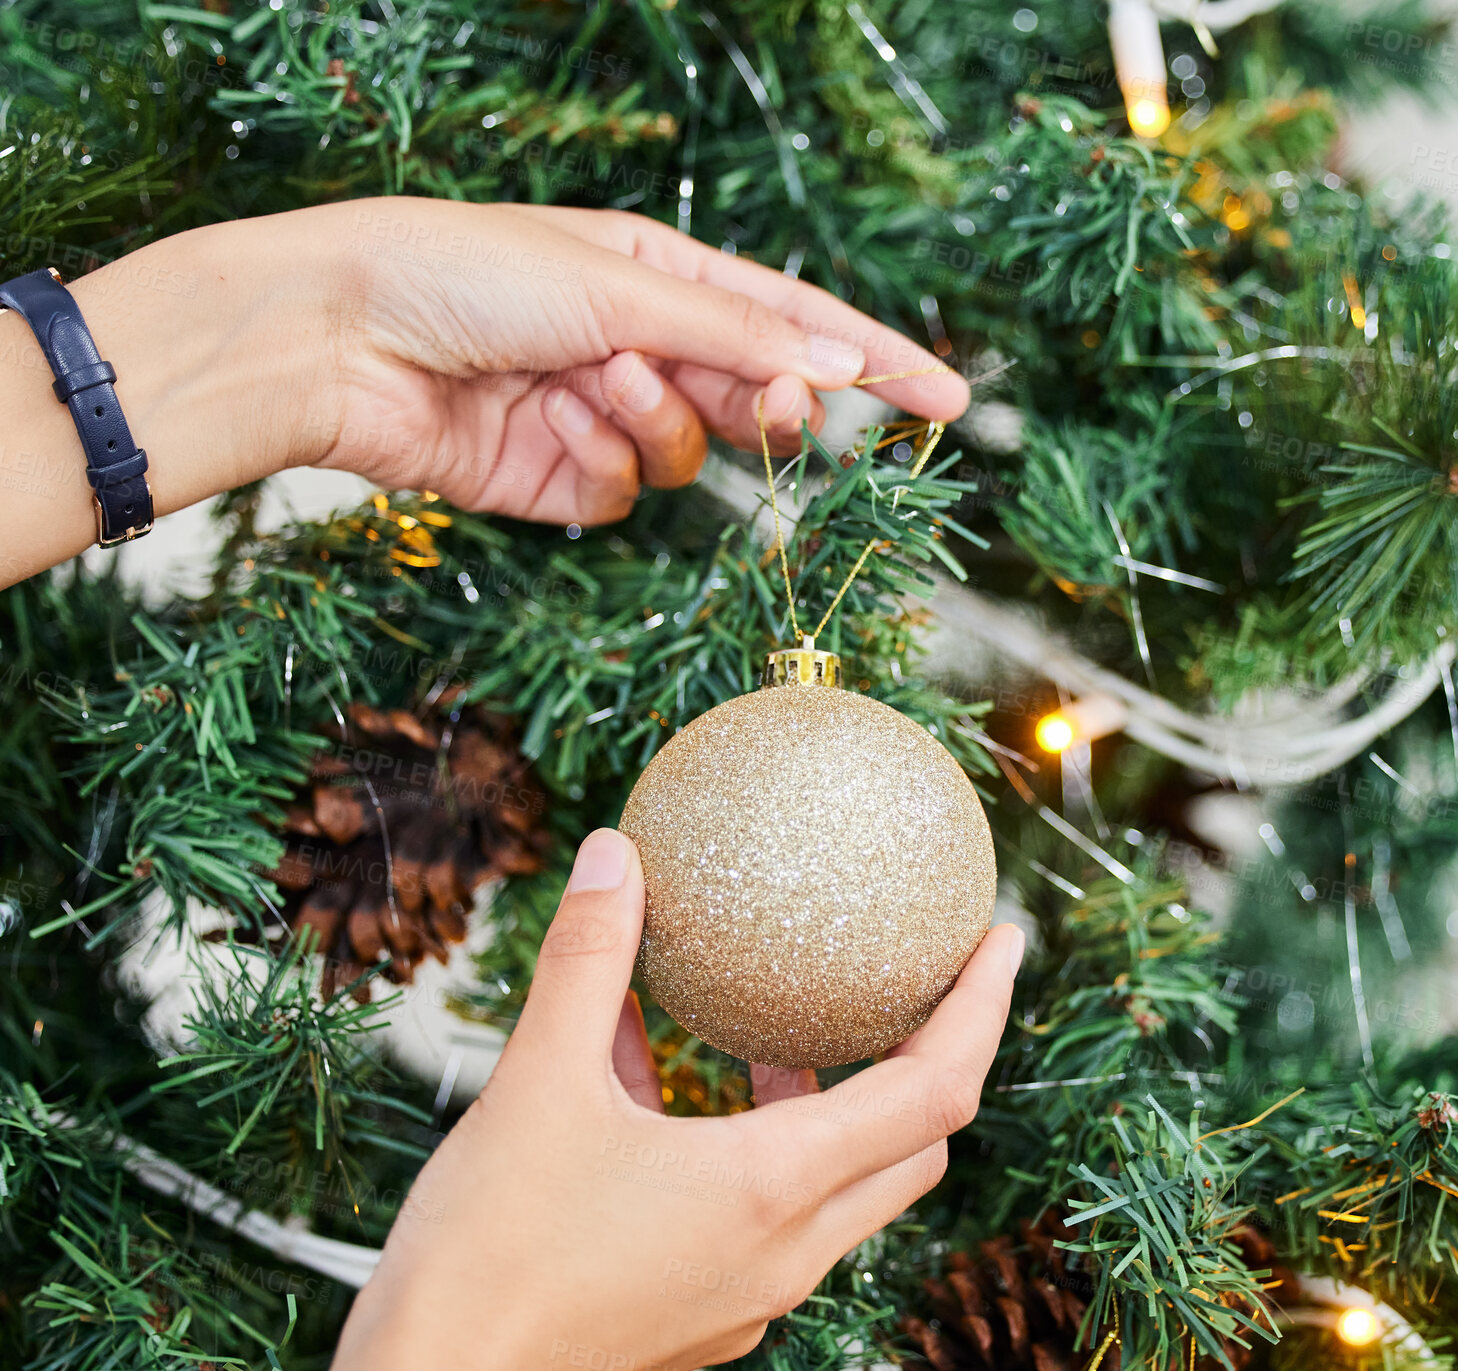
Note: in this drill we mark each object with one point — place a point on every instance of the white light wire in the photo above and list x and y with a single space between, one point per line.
1290 744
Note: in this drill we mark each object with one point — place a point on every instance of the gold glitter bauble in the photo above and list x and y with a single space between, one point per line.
818 870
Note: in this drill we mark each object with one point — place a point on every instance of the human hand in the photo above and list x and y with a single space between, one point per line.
533 361
580 1226
543 362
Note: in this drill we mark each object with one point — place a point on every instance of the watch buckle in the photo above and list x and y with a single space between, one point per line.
133 531
55 276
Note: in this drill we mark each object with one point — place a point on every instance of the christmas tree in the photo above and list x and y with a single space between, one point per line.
1191 554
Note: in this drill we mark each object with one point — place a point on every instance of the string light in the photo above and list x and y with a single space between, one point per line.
1148 118
1054 733
1139 65
1354 300
1083 720
1358 1327
1357 1319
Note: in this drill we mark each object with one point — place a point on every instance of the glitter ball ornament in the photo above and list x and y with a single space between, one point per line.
818 870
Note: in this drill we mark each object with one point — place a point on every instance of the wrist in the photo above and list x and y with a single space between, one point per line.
224 341
415 1322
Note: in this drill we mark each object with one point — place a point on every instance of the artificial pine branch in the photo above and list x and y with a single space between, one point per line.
1160 1242
1109 271
1123 1005
1138 292
1372 1184
101 1274
263 1053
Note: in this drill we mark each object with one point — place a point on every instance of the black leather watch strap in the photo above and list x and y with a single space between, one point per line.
115 465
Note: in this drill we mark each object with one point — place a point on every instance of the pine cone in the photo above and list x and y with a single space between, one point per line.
1016 1306
1012 1306
402 821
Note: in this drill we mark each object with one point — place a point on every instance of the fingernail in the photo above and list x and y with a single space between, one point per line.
602 862
840 358
631 1010
782 413
1015 947
570 412
641 389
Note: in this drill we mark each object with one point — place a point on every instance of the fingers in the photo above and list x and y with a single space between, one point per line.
657 411
930 1088
782 406
693 398
942 394
870 1204
582 972
633 1057
576 451
730 407
684 320
559 456
659 420
598 481
773 1083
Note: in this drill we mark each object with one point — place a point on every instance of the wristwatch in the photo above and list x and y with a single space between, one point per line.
115 465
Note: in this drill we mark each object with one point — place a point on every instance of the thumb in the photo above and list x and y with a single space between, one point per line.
587 956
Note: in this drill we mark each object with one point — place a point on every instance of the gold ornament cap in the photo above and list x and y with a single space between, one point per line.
805 665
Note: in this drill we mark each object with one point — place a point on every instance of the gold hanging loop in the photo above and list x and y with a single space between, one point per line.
933 436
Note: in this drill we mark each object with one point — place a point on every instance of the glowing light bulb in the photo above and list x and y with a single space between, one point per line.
1054 733
1148 118
1139 65
1358 1327
1081 721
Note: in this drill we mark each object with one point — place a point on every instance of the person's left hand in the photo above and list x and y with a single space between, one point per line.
527 360
543 362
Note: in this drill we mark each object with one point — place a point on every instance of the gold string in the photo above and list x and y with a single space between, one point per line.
1108 1342
845 586
933 436
769 477
898 376
1103 1350
1251 1123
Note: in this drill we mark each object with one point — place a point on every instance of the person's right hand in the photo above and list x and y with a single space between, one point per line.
567 1222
